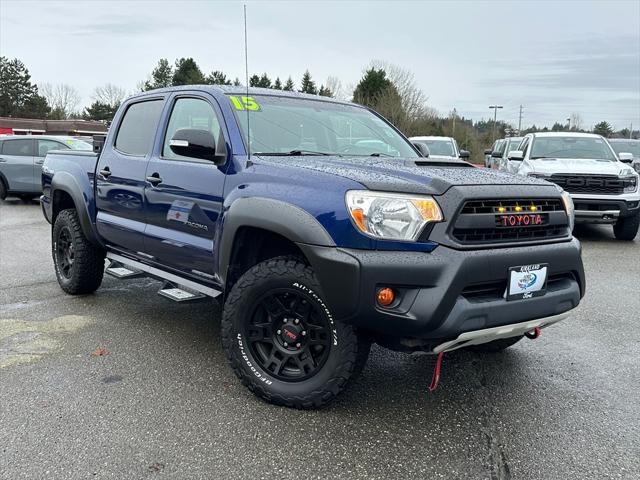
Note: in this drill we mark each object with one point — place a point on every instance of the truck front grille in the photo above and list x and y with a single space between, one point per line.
480 222
596 184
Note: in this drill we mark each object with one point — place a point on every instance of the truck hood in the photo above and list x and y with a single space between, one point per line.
399 175
549 166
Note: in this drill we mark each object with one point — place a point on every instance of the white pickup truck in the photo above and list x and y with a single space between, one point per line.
603 187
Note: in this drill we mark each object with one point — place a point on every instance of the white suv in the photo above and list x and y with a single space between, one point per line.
441 148
604 189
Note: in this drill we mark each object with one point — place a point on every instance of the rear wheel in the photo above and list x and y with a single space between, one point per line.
79 264
281 339
627 228
3 190
495 346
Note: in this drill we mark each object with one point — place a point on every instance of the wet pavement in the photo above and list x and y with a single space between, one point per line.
126 384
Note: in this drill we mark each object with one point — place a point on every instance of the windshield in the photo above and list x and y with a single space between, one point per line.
571 147
287 125
627 147
74 144
441 147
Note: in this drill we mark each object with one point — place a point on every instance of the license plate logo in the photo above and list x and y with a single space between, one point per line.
527 281
520 220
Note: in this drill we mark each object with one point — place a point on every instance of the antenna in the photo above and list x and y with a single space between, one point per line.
246 74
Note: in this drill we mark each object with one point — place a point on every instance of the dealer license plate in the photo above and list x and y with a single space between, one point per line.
527 281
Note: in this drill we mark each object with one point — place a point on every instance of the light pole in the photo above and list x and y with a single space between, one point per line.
569 122
495 116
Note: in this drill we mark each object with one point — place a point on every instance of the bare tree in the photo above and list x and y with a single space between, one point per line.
62 98
413 100
339 92
576 121
109 94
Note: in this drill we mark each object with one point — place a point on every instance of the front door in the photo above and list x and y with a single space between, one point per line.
120 176
16 159
184 204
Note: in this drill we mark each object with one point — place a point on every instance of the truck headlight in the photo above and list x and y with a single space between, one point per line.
630 184
569 208
391 216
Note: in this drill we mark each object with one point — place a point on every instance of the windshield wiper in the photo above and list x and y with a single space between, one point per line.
380 154
295 153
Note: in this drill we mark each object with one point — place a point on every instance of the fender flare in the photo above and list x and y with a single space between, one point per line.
279 217
65 182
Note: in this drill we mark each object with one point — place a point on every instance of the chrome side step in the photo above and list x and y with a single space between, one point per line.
179 294
175 281
478 337
116 269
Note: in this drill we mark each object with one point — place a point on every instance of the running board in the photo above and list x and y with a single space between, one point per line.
478 337
175 280
179 294
116 269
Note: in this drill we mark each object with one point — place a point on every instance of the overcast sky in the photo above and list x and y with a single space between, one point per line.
554 58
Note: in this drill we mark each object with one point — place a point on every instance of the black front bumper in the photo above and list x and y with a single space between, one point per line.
446 292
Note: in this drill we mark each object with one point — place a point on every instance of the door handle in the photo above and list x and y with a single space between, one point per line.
154 179
105 172
39 162
2 160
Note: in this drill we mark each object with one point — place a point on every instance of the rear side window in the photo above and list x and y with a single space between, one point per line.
45 145
138 127
20 148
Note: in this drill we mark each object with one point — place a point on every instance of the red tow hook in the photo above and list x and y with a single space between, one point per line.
436 373
533 334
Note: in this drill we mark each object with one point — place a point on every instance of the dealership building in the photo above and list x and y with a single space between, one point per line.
34 126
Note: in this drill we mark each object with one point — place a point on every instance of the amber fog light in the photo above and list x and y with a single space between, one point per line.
385 297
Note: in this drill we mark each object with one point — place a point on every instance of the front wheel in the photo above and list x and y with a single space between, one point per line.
79 264
627 228
281 339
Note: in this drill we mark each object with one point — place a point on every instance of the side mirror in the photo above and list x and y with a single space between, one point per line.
516 155
496 154
625 157
422 148
465 154
196 143
488 151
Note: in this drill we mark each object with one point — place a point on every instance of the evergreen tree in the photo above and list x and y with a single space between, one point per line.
373 85
18 96
218 78
289 86
100 111
161 76
277 84
236 82
187 72
265 81
603 128
325 91
254 81
308 85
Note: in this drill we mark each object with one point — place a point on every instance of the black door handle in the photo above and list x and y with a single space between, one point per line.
105 172
154 179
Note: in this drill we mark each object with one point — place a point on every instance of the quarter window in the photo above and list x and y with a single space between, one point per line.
19 148
138 127
193 113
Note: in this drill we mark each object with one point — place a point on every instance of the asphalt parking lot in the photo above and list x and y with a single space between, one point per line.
126 384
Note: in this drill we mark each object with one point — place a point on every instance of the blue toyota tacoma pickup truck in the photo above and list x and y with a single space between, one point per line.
321 228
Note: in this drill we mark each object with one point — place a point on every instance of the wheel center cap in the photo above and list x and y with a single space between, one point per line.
290 333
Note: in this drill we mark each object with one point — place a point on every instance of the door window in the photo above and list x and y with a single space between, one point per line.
138 127
45 145
193 113
19 148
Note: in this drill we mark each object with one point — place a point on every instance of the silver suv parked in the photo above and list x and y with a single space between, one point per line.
603 188
21 159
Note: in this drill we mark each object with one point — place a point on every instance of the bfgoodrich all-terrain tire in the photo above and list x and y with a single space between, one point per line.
627 228
79 264
495 346
281 339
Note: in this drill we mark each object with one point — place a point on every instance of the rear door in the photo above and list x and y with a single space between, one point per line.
120 175
16 164
184 204
43 145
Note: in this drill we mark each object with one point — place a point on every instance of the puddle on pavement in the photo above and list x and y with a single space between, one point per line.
24 341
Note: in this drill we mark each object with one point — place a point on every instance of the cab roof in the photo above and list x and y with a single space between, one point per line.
566 134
